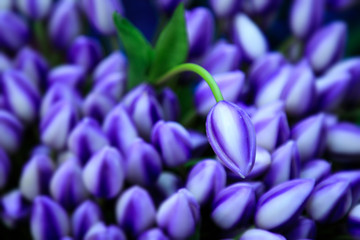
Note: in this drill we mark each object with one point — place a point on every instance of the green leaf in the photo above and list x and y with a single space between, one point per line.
137 49
172 46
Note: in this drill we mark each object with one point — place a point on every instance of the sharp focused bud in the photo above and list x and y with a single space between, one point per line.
12 131
262 163
68 74
353 222
232 137
35 9
97 105
14 32
317 169
170 104
114 63
14 208
4 168
225 9
100 231
153 234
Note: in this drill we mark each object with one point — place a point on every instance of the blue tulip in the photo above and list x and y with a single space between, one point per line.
153 234
317 169
35 9
69 74
97 105
14 32
170 104
100 231
116 62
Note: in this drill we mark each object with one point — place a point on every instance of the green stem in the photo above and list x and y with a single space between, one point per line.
191 67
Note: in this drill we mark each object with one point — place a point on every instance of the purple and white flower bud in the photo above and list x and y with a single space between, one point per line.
35 176
64 25
113 85
249 38
14 33
254 234
225 9
5 62
14 208
66 186
170 104
326 46
85 216
305 17
234 205
85 52
129 99
317 170
205 180
114 63
143 163
285 201
231 134
135 210
262 163
48 220
4 168
353 222
272 108
180 209
20 95
12 131
6 5
153 234
97 105
35 9
200 30
86 139
68 74
104 173
100 231
199 143
231 85
353 176
330 200
304 228
168 184
172 141
309 135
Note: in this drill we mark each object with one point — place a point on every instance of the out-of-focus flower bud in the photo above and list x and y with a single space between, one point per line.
167 184
5 62
170 104
286 201
304 228
97 105
225 9
353 176
100 231
317 169
153 234
114 63
272 108
232 137
6 4
262 163
353 222
14 208
112 85
104 173
129 99
35 9
199 143
4 168
12 131
181 209
71 75
14 32
253 234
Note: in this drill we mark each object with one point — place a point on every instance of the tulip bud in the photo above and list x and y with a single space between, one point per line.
96 105
14 33
35 176
237 201
248 37
173 142
35 9
315 169
200 30
153 234
285 201
326 46
71 75
14 208
100 231
5 62
4 168
304 228
114 63
86 139
253 234
12 131
66 14
143 163
272 108
112 85
262 163
353 222
353 176
199 143
129 99
231 85
168 184
48 220
170 104
225 9
232 137
205 180
180 209
85 216
104 173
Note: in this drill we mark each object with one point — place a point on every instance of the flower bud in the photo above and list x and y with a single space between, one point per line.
353 222
14 32
232 137
48 220
4 168
173 142
14 208
12 131
100 231
129 99
225 9
199 143
35 9
114 63
285 201
69 74
254 233
317 170
168 184
96 105
104 173
135 211
153 234
5 62
233 205
170 104
180 209
6 5
112 85
353 176
262 163
272 108
304 228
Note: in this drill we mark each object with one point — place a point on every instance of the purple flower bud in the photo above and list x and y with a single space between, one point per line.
225 9
14 208
86 139
20 95
48 220
112 85
56 125
199 143
272 108
231 85
114 63
249 38
305 17
353 222
232 137
254 234
205 180
71 75
353 176
331 120
14 32
330 200
173 142
326 46
5 62
104 173
234 205
309 135
168 6
35 176
64 25
153 234
303 228
200 30
262 163
168 184
96 105
135 211
100 231
6 5
178 215
35 9
4 168
170 104
129 99
317 169
66 185
85 52
285 201
143 163
12 131
85 216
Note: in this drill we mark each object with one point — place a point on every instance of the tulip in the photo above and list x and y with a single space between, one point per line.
254 233
69 74
12 131
180 209
270 109
168 184
205 180
224 9
232 137
5 62
353 222
170 104
285 201
233 205
231 85
153 234
35 9
262 163
304 228
248 37
14 33
353 176
114 63
317 169
104 173
135 211
131 97
4 168
35 176
14 208
199 143
100 231
48 220
112 85
143 163
96 105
